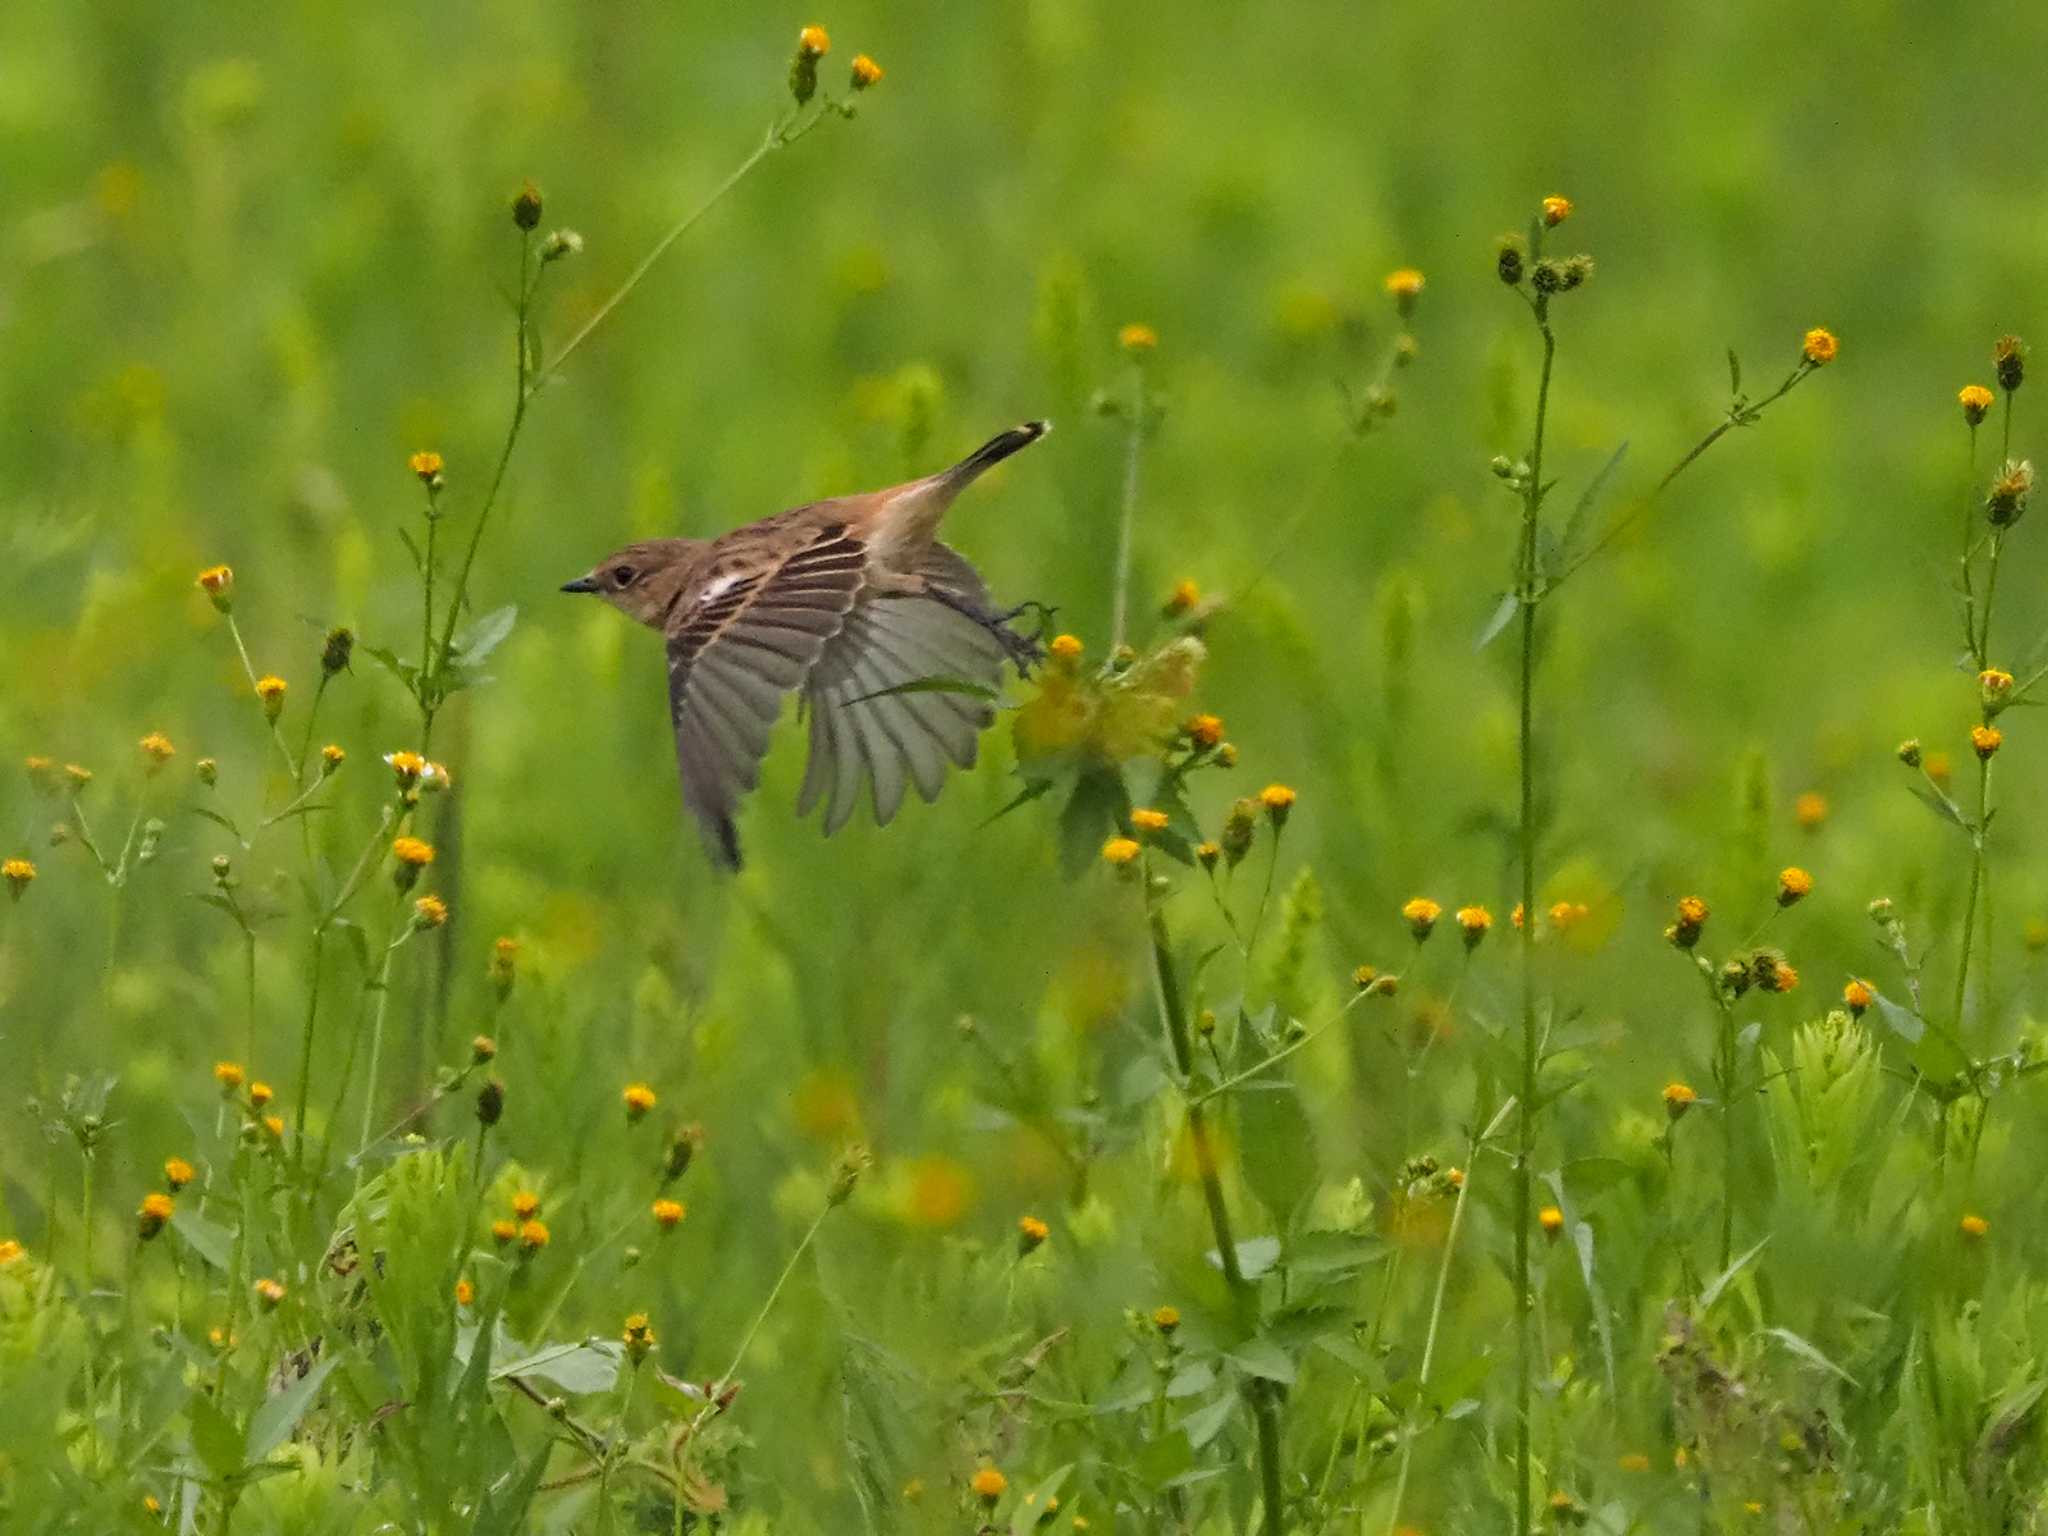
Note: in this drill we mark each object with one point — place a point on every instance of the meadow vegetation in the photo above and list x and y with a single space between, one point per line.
1484 983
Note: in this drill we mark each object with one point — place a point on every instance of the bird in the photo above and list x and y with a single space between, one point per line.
888 636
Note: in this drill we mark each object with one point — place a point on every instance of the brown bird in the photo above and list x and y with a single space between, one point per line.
851 601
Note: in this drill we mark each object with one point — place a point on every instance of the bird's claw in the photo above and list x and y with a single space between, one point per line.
1024 650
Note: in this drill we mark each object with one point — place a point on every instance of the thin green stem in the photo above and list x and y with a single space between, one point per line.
1173 1011
1127 513
306 1031
761 1316
291 765
402 931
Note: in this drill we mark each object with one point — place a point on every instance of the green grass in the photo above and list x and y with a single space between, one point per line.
250 268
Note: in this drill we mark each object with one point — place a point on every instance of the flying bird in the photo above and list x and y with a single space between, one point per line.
848 602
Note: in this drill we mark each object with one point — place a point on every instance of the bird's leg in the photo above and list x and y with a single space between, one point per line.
1024 651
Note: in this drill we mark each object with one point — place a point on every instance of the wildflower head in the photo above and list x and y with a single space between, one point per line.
853 1161
218 583
1810 809
207 770
1184 598
1404 284
1031 1233
260 1094
429 912
1138 339
1207 853
1556 210
533 1235
2009 361
525 1204
1510 258
988 1485
1205 731
1678 1098
19 875
1147 822
1794 885
490 1103
639 1098
337 650
1975 400
503 1231
1973 1226
667 1214
269 1293
639 1336
409 856
1859 995
1118 852
1938 768
1278 800
1994 687
1692 918
11 1252
1065 649
273 1127
504 968
228 1074
482 1049
465 1292
1985 741
526 207
1420 913
811 45
1780 977
1909 752
153 1214
1567 915
1473 922
1818 347
866 72
177 1173
814 41
1551 1220
426 466
406 768
331 758
1166 1319
2006 502
157 748
77 776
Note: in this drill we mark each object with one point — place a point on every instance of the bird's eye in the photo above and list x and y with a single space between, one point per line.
622 576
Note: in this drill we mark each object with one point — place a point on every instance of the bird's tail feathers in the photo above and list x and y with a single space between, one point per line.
994 451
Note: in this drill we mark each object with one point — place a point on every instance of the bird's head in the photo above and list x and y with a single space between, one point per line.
642 580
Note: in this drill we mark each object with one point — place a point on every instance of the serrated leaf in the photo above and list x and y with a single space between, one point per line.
1206 1422
1262 1357
1255 1256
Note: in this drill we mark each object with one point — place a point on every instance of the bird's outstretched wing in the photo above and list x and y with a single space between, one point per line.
742 638
862 730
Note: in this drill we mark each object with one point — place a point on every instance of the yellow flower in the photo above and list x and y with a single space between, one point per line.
153 1214
1994 684
156 746
429 912
1810 809
1120 850
177 1173
1567 915
639 1099
1819 346
1551 1220
1363 977
813 42
1205 730
1634 1461
1135 338
667 1213
1421 914
1065 648
406 767
331 758
1278 800
1975 400
270 689
1455 1177
1783 978
465 1293
1985 740
261 1094
1144 820
1166 1319
1404 283
1973 1225
1794 885
1938 769
1208 853
866 72
503 1231
274 1125
1556 210
1184 596
11 1252
270 1292
526 1205
989 1484
482 1049
2006 501
228 1074
218 583
426 464
78 775
1678 1098
1031 1233
533 1236
1474 922
411 855
19 874
1859 995
639 1336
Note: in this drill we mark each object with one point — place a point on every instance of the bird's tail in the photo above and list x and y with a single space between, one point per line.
993 452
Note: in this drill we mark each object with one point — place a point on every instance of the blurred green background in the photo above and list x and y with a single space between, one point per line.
248 264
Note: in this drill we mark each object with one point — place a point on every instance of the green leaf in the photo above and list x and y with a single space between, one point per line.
1588 499
212 1242
1255 1256
1093 812
1905 1023
1722 1281
506 1503
386 658
220 821
1510 604
1262 1357
1332 1253
280 1415
1809 1354
475 644
1037 1499
1206 1422
1941 805
215 1439
577 1368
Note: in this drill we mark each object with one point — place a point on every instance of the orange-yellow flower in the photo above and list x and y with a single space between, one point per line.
1794 885
228 1074
866 72
426 464
1551 1220
813 42
19 875
1135 338
667 1213
639 1098
178 1173
260 1094
1148 820
1064 648
1421 914
1031 1233
533 1236
465 1293
271 690
1556 210
1973 1226
153 1214
429 912
1819 346
1678 1098
1166 1319
1985 740
525 1205
989 1484
1859 995
503 1231
1473 922
1975 400
269 1292
1810 809
1404 283
156 746
218 583
1119 851
1205 730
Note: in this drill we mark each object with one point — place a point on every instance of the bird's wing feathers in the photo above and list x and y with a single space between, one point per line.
861 729
741 638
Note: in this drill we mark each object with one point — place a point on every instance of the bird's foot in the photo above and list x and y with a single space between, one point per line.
1025 650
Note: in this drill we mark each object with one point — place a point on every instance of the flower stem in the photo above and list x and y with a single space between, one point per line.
1258 1394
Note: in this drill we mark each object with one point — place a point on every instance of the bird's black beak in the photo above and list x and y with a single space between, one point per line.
580 584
